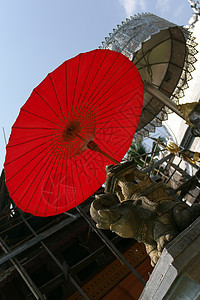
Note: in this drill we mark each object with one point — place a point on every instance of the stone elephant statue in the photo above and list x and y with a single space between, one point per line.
132 214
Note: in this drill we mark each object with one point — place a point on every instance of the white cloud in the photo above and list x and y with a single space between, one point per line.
132 6
163 6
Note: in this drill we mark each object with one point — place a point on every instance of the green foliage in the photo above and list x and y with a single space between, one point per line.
139 153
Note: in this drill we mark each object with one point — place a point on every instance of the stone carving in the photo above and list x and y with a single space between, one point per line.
133 206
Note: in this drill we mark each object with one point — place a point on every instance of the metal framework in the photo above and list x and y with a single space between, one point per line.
22 246
18 252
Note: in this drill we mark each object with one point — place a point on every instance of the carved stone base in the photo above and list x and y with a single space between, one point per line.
177 273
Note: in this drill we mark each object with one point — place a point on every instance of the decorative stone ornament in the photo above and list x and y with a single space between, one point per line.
136 207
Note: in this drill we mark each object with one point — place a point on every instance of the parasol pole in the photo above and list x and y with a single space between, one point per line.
94 147
151 89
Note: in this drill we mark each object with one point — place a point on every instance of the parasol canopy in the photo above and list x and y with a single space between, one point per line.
79 119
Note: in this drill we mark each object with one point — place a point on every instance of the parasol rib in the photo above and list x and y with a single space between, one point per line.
48 105
86 77
57 98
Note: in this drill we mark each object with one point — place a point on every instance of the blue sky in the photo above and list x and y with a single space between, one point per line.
37 36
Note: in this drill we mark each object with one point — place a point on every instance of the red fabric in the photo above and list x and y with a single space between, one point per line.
98 95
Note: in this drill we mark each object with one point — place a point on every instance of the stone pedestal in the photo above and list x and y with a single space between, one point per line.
177 273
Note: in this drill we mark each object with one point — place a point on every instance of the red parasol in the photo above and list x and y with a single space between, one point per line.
92 99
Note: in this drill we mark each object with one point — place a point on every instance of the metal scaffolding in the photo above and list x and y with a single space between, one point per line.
40 232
